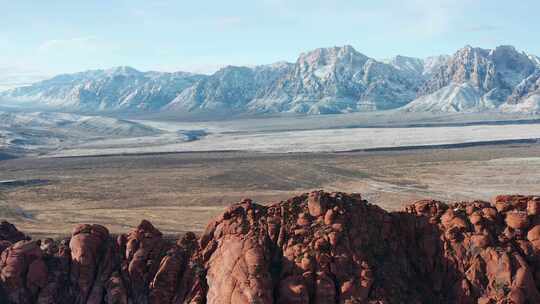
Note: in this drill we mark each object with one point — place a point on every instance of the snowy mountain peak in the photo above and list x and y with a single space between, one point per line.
329 56
232 69
434 63
123 71
468 53
417 67
407 64
506 48
276 65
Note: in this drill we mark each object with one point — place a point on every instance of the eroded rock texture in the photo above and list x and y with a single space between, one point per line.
315 248
9 235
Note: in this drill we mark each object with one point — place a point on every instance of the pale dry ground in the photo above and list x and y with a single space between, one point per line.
181 192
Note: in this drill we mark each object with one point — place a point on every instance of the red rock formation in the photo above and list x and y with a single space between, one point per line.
91 262
9 235
314 248
141 251
23 272
174 280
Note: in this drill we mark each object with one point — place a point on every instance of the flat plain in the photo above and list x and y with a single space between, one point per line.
182 191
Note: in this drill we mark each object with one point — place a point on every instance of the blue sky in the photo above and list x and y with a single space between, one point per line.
54 36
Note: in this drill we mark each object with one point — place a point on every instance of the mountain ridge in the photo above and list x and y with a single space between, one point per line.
476 80
322 81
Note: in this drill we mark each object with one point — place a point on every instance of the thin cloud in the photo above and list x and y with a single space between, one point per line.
228 21
77 43
482 28
421 18
430 18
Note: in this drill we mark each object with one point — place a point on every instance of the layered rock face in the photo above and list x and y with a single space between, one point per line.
315 248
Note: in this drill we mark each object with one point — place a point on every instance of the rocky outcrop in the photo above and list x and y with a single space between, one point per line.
314 248
10 234
23 272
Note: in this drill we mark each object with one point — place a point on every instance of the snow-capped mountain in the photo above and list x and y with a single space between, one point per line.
337 80
433 64
230 89
535 59
329 80
418 67
325 80
525 96
476 79
105 90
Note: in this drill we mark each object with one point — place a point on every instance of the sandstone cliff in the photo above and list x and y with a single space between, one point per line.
315 248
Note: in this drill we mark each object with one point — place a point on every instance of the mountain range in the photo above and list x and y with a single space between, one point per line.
322 81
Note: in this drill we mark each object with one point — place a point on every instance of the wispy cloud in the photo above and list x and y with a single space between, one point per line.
431 18
482 28
88 43
148 12
228 21
424 18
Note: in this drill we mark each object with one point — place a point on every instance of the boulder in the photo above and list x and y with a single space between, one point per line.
22 272
517 219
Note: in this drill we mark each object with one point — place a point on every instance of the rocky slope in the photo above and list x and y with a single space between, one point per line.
229 89
417 67
36 132
476 79
121 88
525 96
338 80
315 248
